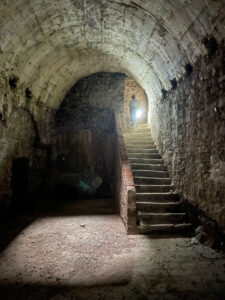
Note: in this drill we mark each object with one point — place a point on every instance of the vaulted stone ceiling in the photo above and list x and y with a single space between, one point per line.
50 44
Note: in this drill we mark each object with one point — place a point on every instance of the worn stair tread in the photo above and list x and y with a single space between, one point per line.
147 170
143 151
157 196
159 208
154 161
161 217
144 155
151 203
139 145
150 173
169 225
165 227
146 129
153 171
155 186
152 181
135 136
146 165
153 148
142 125
143 145
143 214
146 141
138 140
146 148
150 177
157 193
141 166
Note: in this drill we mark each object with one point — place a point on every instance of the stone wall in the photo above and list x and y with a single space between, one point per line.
83 162
189 128
19 138
132 88
16 140
75 143
125 188
84 140
91 101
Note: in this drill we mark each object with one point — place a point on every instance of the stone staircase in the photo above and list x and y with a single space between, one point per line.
159 209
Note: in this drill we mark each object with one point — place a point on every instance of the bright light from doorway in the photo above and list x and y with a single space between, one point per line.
138 113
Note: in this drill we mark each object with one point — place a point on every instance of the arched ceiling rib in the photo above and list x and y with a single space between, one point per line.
50 44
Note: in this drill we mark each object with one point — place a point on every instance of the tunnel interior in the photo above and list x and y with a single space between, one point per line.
84 160
68 70
173 50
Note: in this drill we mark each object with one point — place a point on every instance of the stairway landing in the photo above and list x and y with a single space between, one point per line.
159 209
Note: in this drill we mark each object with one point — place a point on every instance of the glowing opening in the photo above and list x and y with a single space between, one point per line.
138 113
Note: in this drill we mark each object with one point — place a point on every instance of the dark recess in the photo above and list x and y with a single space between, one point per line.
28 93
189 69
211 45
13 82
173 83
164 93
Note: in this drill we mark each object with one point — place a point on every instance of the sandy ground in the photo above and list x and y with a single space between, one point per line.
81 251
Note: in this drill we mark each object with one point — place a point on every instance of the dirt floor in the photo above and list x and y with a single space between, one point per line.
81 251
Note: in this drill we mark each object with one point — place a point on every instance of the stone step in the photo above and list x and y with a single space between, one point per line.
134 135
146 161
161 229
137 130
141 143
160 197
140 140
152 180
147 188
144 151
159 207
147 218
150 173
141 126
142 147
136 166
144 155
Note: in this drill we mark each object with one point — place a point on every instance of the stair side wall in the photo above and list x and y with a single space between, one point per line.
125 189
188 126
